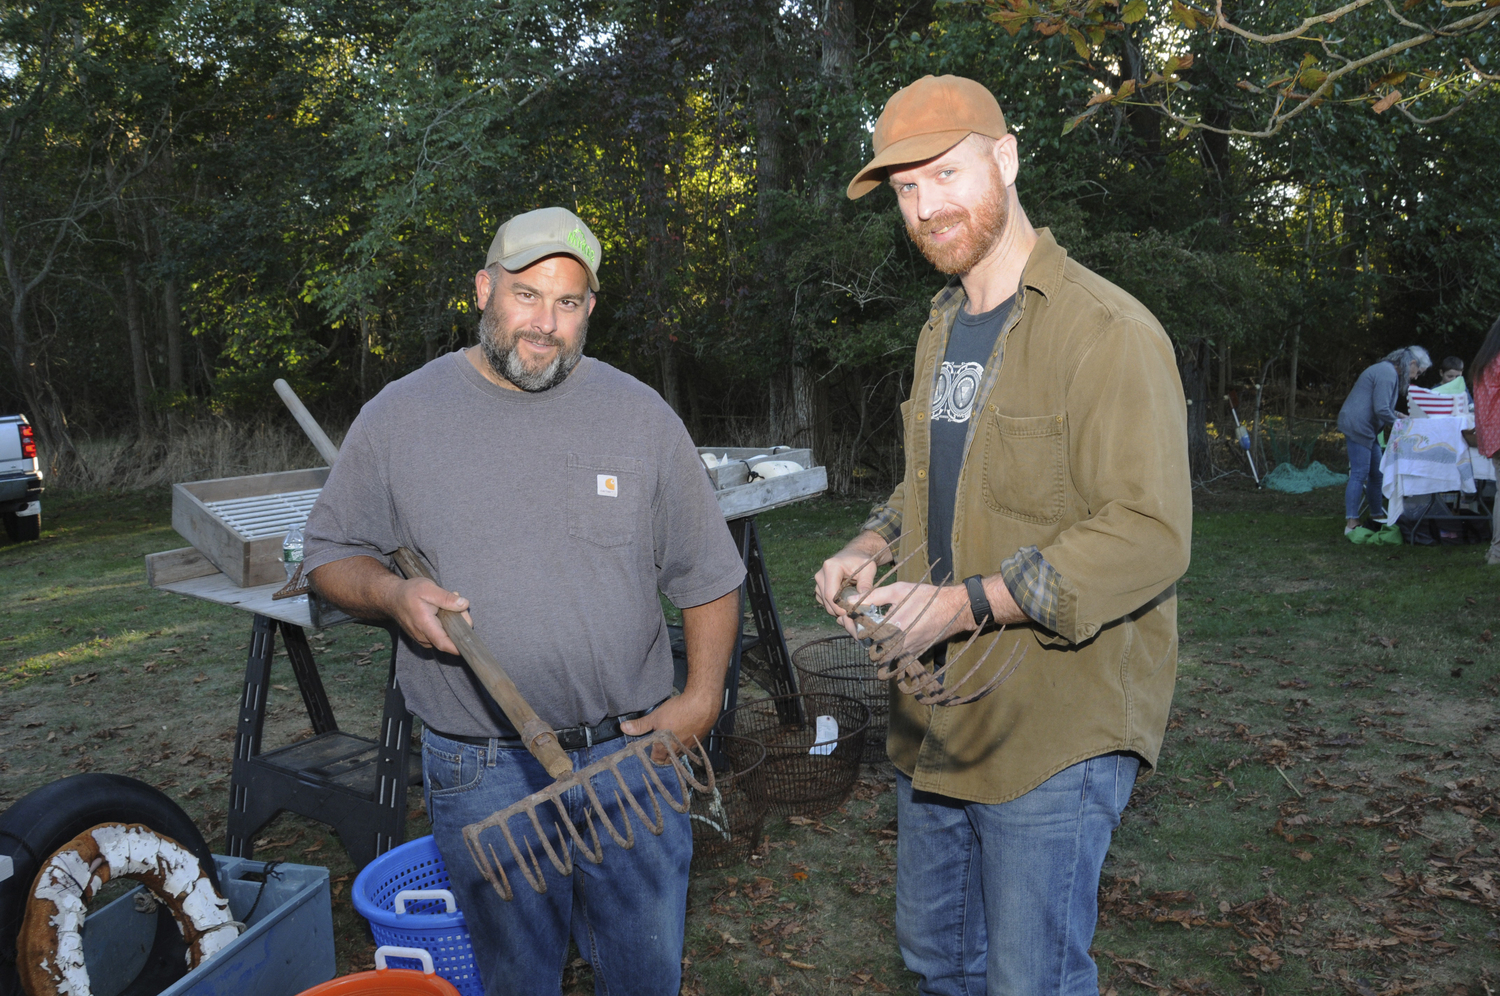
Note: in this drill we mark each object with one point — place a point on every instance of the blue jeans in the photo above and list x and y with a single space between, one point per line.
1003 899
628 912
1364 481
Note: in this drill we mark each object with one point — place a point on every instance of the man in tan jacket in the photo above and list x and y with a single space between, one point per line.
1047 472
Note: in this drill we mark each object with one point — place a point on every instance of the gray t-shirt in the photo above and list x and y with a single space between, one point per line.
970 343
557 514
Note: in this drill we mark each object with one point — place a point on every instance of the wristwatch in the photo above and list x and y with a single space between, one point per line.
979 602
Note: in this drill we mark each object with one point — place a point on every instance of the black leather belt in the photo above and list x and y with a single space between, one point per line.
569 738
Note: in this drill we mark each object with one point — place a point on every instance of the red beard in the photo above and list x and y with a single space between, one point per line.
982 230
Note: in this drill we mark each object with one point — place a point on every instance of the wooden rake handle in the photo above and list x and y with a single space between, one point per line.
538 737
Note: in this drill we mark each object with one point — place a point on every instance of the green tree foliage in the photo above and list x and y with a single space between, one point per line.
198 196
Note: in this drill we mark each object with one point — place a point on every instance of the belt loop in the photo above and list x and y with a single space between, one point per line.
491 753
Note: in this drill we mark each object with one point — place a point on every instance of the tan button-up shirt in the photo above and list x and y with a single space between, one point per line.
1078 447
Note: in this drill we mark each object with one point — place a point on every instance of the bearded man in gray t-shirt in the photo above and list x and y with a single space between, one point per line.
554 497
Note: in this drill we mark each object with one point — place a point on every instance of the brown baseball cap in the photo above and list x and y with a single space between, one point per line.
547 231
927 119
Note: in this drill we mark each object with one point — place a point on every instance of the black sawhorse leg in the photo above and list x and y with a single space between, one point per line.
354 784
776 673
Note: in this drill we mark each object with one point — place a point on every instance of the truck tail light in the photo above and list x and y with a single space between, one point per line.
28 443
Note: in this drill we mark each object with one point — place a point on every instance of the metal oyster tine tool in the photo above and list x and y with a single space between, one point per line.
886 643
541 741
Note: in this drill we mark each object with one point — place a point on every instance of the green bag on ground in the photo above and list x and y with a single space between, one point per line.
1293 481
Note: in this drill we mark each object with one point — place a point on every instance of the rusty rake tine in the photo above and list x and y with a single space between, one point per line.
626 841
593 855
682 788
654 824
889 572
702 758
563 865
964 649
532 871
1012 663
936 593
486 868
926 576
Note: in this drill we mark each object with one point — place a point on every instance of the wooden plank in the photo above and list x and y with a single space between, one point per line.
761 496
220 488
177 565
195 523
802 456
221 590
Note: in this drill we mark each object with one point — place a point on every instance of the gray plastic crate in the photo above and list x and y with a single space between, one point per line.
288 947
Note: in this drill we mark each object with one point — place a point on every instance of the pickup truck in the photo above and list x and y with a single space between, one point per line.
20 480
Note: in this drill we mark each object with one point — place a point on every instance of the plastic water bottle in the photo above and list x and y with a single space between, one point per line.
291 550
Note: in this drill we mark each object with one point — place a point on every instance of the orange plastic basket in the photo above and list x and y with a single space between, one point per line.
389 981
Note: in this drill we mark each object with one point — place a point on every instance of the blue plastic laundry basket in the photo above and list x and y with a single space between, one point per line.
415 874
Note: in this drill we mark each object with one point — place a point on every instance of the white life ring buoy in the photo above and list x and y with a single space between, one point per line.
49 947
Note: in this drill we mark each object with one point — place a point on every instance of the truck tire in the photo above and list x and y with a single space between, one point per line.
23 528
43 821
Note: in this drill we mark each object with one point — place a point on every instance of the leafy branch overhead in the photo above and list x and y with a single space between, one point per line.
1282 60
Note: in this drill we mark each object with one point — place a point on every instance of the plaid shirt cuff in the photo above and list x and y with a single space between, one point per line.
1034 584
885 522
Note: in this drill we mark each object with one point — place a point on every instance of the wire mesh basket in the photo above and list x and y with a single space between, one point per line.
838 665
807 772
727 821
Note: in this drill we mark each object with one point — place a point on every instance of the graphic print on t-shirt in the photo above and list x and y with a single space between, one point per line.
953 395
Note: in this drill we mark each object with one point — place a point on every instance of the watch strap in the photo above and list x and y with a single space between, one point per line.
979 602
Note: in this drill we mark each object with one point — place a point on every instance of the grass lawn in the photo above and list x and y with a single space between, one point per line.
1323 818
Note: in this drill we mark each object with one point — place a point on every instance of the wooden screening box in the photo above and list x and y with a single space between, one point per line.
740 497
239 523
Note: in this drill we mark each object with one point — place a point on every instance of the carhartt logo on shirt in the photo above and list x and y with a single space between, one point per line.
609 485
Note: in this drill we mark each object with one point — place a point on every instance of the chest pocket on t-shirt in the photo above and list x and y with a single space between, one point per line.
1024 466
605 498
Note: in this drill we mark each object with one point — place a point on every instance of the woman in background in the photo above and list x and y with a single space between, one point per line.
1368 411
1486 371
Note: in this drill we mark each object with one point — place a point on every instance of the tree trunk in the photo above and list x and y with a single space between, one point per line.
671 391
171 321
800 431
140 375
1291 380
1193 367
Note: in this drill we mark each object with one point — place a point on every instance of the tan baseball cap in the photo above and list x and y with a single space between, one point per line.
927 119
548 231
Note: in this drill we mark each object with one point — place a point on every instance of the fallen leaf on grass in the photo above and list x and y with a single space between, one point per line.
1486 636
82 679
312 850
1269 960
202 677
1303 855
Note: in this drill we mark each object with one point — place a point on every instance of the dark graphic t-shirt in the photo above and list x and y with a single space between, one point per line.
969 346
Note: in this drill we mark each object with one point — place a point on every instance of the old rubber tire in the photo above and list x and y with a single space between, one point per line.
43 821
23 528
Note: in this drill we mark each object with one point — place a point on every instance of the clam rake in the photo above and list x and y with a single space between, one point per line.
541 741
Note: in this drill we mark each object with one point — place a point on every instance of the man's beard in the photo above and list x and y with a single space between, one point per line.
499 350
980 234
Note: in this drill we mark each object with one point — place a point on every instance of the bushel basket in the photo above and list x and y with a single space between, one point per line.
798 781
840 666
727 821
